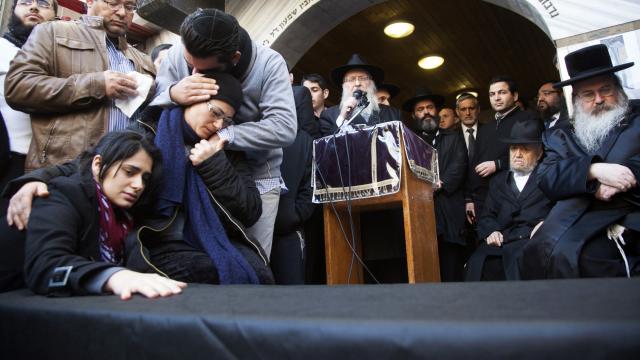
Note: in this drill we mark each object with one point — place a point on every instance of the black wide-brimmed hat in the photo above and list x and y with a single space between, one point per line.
589 62
356 62
423 94
392 89
526 131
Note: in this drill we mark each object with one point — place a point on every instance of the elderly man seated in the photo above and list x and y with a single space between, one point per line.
592 173
514 209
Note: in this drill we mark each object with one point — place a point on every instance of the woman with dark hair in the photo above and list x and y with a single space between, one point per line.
77 236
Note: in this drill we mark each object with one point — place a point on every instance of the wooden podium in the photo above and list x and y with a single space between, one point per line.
416 200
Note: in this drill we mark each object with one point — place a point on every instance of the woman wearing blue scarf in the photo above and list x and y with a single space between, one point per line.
207 199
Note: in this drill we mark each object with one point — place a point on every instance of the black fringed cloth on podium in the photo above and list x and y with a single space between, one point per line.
370 162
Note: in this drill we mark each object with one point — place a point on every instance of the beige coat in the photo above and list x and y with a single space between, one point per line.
58 78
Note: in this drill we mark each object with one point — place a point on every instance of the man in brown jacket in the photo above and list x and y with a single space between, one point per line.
68 75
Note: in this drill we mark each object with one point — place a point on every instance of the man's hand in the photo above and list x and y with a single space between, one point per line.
127 282
486 168
20 203
495 239
119 85
470 210
193 89
606 192
618 176
348 107
438 186
206 149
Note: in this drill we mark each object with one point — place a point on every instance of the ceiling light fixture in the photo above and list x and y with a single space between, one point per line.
431 62
399 29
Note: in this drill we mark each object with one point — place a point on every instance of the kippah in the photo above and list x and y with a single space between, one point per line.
220 28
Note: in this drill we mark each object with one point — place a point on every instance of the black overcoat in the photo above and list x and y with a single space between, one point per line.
449 200
514 215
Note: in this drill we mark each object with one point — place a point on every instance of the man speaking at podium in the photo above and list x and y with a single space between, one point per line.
358 88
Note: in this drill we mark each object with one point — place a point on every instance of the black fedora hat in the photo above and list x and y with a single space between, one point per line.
589 62
356 62
527 131
390 88
423 94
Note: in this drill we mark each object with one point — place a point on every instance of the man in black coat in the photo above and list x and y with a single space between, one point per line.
356 75
551 107
449 192
514 207
295 206
493 155
592 172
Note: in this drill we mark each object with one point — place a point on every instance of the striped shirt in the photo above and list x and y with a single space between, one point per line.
118 62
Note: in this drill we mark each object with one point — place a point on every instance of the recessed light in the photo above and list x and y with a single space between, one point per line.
399 29
431 62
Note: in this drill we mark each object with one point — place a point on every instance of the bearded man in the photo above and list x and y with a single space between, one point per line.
357 74
449 191
592 173
550 106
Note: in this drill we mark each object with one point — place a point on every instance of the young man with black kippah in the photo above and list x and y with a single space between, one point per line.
265 123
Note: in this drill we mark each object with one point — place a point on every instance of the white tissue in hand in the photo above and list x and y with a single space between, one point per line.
129 105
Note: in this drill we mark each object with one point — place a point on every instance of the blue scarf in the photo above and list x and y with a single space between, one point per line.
183 186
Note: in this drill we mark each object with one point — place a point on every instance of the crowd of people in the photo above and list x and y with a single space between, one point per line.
209 180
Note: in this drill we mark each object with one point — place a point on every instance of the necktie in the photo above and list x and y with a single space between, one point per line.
472 143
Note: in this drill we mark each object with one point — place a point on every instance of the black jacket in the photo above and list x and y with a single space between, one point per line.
329 116
449 200
555 249
235 198
295 206
514 215
63 232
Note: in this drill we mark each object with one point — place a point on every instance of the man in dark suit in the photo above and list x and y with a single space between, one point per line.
514 207
356 75
592 172
551 107
295 206
468 110
449 191
493 155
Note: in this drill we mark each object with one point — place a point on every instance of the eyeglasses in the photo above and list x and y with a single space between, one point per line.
589 96
41 3
358 78
219 114
115 6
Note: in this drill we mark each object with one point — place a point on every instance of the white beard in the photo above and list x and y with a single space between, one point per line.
371 96
591 130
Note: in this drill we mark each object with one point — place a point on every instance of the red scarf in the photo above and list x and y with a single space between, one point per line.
115 224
